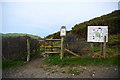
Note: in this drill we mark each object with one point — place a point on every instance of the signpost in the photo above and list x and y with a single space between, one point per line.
62 34
98 34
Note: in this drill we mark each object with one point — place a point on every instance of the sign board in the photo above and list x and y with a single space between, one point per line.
63 31
97 33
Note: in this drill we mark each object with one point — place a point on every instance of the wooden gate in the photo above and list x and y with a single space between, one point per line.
50 46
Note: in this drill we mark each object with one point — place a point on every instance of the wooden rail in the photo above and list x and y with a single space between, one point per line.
50 40
115 54
51 46
72 53
53 39
52 52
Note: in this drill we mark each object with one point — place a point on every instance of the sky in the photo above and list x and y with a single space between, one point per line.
45 17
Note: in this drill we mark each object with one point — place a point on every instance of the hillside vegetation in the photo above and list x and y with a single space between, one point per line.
20 34
76 38
16 44
55 35
112 20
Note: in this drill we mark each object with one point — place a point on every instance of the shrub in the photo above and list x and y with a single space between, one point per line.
74 44
15 48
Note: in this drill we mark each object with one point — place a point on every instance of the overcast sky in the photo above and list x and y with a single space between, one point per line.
46 17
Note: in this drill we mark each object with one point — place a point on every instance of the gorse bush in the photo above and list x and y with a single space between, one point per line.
74 44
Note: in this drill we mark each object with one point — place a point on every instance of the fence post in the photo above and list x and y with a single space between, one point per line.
92 46
45 47
28 50
62 34
62 48
104 46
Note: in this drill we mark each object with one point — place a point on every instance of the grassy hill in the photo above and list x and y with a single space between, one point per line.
112 20
20 34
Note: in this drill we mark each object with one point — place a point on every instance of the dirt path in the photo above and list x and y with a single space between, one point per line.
36 69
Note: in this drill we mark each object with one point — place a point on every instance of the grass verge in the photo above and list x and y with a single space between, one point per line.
11 64
84 61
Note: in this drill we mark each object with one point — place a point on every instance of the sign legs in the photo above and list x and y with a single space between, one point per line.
92 47
103 47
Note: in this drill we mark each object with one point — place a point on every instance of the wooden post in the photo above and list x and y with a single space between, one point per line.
104 46
62 48
92 46
62 34
28 49
45 47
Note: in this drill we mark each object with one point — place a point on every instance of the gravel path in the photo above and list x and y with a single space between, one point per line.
36 69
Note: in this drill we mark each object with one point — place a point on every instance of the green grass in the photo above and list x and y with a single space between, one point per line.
84 61
74 71
11 64
19 34
48 69
56 43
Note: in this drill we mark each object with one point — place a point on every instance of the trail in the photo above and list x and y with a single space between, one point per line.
36 69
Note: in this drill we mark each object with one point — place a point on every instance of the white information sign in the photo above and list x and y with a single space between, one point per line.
63 32
97 33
